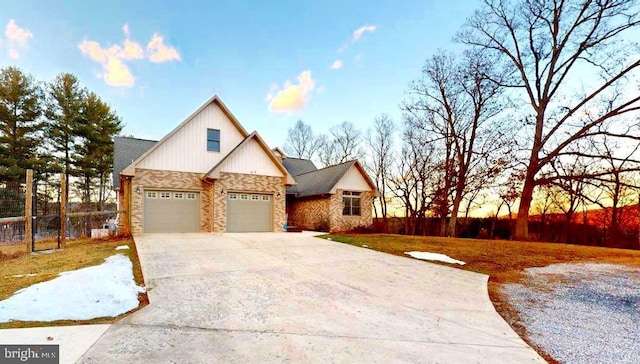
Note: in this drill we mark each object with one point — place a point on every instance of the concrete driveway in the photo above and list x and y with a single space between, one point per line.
269 298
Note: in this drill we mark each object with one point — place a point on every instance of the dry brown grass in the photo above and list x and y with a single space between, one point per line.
504 261
47 265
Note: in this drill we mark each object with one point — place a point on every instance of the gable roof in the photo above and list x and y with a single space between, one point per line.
125 151
322 181
213 100
215 171
298 166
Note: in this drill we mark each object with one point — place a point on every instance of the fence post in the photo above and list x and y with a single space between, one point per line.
63 210
28 211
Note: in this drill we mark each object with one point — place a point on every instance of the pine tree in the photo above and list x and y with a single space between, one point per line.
20 125
64 106
94 152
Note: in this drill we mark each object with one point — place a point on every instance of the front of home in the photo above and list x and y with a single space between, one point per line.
210 175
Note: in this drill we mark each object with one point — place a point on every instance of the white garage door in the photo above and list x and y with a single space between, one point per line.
247 212
171 212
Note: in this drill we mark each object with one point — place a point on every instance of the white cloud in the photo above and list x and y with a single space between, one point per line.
291 97
159 52
16 38
113 59
337 64
16 34
116 72
358 33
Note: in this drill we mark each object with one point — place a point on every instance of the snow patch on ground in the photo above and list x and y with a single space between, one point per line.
122 247
581 312
435 257
103 290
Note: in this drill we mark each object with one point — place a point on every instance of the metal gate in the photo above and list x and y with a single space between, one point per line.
46 216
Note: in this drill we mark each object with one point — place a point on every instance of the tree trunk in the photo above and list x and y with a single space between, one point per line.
451 230
522 221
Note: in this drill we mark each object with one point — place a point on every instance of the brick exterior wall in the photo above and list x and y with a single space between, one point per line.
325 212
148 179
236 182
309 213
339 222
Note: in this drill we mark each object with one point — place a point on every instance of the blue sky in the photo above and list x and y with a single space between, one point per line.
270 62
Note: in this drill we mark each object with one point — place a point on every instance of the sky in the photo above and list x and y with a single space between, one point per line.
271 62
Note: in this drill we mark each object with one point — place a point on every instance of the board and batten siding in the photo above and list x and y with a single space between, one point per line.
250 159
186 150
352 181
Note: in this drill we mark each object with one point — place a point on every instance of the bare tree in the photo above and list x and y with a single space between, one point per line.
413 181
380 159
453 103
341 145
570 59
301 143
617 185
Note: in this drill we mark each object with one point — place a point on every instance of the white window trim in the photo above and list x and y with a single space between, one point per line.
152 195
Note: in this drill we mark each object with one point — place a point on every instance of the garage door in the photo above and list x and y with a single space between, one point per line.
171 212
249 212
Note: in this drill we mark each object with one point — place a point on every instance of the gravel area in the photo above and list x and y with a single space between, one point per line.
581 312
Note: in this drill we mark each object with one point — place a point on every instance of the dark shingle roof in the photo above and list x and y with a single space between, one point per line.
297 166
125 151
320 181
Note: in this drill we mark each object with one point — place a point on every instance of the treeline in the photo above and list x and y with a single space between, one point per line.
56 127
537 114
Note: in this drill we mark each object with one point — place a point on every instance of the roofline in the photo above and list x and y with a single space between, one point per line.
126 137
289 179
327 167
358 166
277 149
213 99
366 177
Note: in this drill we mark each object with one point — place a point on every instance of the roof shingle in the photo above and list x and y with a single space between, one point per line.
125 151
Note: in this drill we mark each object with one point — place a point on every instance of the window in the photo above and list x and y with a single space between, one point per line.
244 197
165 195
233 196
152 194
191 196
213 140
178 196
266 197
351 203
255 198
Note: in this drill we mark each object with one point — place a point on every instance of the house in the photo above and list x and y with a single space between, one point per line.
335 198
210 175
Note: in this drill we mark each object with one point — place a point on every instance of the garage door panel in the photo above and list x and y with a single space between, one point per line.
249 212
171 212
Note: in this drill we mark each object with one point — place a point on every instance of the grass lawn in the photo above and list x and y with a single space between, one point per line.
503 261
47 265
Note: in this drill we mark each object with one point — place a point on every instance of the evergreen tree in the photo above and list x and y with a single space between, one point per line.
64 107
20 125
94 151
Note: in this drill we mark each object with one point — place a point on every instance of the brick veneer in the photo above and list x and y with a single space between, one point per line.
325 212
236 182
309 213
148 179
213 204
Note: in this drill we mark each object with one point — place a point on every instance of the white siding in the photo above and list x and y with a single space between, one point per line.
352 181
186 150
250 159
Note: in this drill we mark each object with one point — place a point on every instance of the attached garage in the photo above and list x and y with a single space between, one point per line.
171 212
249 212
